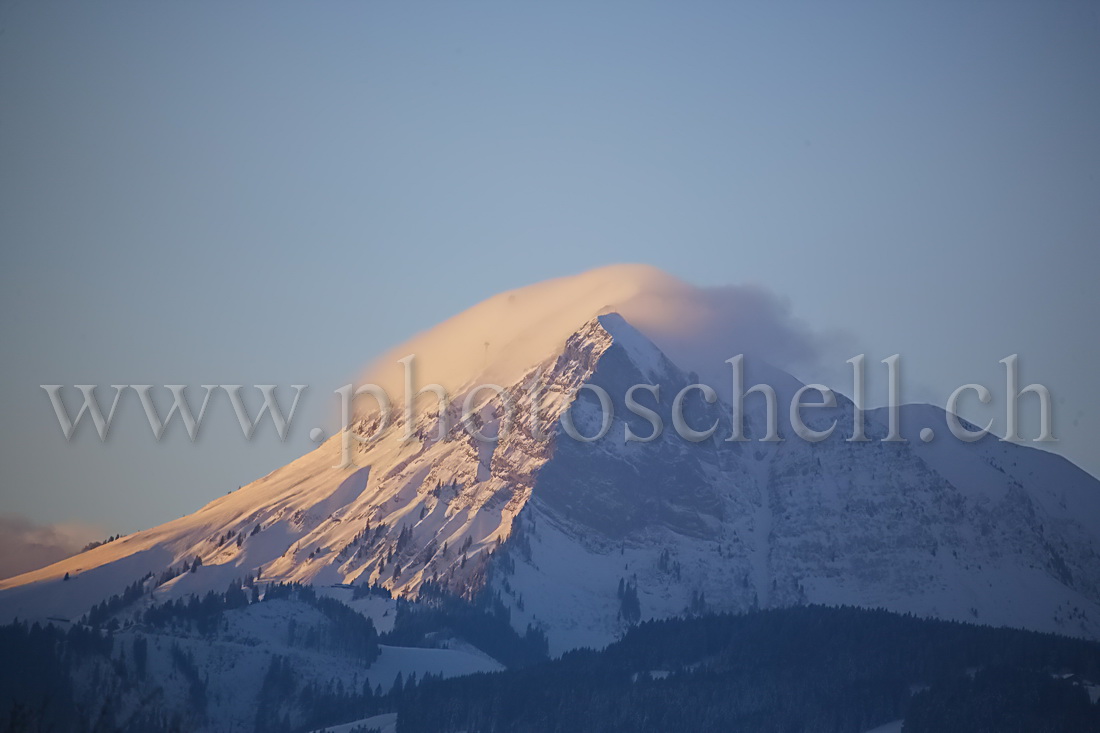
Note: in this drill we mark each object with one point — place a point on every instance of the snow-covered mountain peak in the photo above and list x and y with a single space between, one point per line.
312 521
641 351
498 340
564 527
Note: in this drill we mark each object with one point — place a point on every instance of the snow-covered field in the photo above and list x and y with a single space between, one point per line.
386 723
892 727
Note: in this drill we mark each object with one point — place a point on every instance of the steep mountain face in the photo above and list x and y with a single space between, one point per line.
987 532
582 538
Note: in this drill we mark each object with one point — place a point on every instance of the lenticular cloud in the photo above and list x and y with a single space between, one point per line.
500 339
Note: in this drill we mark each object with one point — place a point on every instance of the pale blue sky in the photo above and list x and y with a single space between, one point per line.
264 193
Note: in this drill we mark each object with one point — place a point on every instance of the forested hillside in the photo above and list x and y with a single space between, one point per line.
808 669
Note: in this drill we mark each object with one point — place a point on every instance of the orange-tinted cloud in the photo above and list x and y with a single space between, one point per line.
26 546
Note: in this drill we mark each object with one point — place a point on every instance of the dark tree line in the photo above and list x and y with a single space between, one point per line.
807 669
288 705
1003 700
485 623
36 686
203 615
102 613
348 631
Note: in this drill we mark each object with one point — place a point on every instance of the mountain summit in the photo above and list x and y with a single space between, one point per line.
581 538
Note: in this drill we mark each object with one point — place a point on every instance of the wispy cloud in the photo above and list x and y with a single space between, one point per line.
700 327
26 546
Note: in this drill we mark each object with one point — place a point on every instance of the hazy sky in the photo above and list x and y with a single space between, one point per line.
260 193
